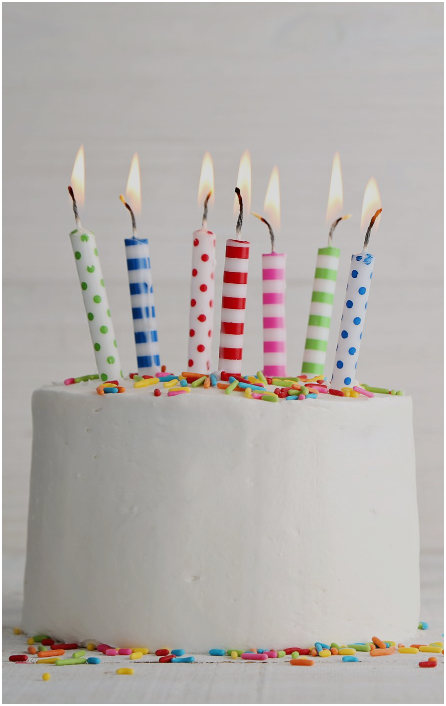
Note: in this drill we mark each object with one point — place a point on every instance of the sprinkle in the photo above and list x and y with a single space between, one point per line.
183 659
244 385
163 368
125 651
48 641
167 658
338 393
183 382
281 653
421 626
270 398
32 650
162 652
108 390
378 642
68 646
93 660
110 653
18 658
178 653
426 665
213 379
193 376
234 654
138 378
334 650
248 392
381 653
174 393
347 651
363 391
408 651
335 644
207 383
46 676
17 631
252 655
73 660
143 650
348 658
53 653
261 377
170 383
349 392
30 641
145 383
385 391
199 381
302 662
360 648
180 389
217 653
430 648
157 392
136 655
125 670
230 389
51 660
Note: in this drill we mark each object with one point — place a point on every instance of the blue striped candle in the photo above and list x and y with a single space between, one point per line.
143 305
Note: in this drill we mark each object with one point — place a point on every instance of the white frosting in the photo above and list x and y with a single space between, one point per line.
207 520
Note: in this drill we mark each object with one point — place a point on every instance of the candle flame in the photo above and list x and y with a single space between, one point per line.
272 200
206 184
370 204
133 189
336 191
244 183
78 176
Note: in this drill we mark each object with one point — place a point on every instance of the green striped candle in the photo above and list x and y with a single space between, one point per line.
321 307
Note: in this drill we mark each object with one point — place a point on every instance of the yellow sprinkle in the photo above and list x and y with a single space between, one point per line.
347 651
248 392
179 389
143 650
391 643
408 650
30 641
430 648
146 383
17 631
325 653
46 676
125 670
48 660
136 655
91 647
253 380
181 377
436 644
108 384
170 383
234 655
348 392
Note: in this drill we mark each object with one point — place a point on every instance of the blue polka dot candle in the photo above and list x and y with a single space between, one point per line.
141 284
93 289
353 316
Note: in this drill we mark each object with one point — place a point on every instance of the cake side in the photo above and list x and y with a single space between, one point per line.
200 521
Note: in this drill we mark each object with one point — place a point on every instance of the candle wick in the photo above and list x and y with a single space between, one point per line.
333 226
239 224
271 232
205 210
369 230
132 215
75 211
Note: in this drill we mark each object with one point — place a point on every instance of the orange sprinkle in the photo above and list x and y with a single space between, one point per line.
51 653
314 652
334 650
381 653
302 662
195 376
432 659
379 643
32 650
207 383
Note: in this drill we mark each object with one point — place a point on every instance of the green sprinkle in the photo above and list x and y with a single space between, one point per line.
39 638
97 346
97 299
281 653
77 255
261 377
200 381
90 316
104 329
304 390
73 660
269 398
137 377
228 390
379 390
335 644
79 653
294 655
84 286
360 648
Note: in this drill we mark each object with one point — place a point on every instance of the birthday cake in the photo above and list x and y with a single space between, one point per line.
209 520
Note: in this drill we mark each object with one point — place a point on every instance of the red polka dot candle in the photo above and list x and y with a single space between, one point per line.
356 300
273 277
233 305
201 316
92 284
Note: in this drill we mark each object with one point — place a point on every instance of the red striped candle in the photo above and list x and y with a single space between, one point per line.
274 329
235 283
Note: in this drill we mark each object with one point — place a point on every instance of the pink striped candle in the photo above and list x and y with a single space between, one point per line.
274 329
235 283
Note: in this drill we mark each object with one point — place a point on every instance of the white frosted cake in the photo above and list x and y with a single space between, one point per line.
207 520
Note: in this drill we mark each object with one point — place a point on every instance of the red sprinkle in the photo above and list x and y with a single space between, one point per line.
147 377
338 393
132 375
69 381
72 646
24 658
301 650
157 392
166 658
162 653
226 376
163 368
425 665
48 641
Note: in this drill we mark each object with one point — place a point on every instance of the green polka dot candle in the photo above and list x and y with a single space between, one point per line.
95 300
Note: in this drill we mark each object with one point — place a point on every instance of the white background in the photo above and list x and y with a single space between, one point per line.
292 83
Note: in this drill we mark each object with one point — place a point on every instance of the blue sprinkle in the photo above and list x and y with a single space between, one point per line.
177 653
213 380
348 658
110 390
260 652
184 659
318 646
387 644
349 303
217 653
362 290
344 334
311 394
167 378
93 660
352 350
183 383
347 381
339 364
357 320
354 273
324 646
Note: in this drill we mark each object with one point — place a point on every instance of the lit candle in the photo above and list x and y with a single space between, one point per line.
273 277
324 284
201 315
356 298
141 283
92 282
235 282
